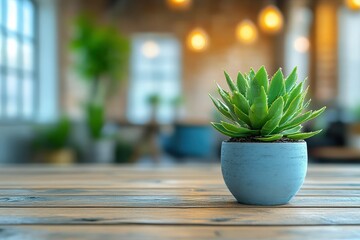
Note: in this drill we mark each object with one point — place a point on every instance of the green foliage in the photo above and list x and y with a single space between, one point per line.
95 119
101 58
100 50
154 100
262 109
54 136
356 113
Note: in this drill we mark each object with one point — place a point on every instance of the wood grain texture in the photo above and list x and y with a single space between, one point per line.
185 216
162 202
167 201
58 232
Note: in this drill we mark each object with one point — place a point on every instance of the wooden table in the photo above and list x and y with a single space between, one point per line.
161 202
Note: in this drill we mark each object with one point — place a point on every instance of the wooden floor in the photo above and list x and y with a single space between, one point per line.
162 202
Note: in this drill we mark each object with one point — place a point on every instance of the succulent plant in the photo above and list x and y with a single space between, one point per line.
264 110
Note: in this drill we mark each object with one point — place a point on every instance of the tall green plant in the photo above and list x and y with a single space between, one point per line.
54 136
262 109
101 59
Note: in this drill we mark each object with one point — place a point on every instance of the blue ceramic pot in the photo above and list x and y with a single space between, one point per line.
264 173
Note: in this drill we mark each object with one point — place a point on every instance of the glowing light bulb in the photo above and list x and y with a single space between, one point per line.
353 4
198 40
150 49
179 4
270 19
246 32
301 44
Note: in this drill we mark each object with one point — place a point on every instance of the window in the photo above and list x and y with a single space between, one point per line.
17 60
155 71
297 42
349 58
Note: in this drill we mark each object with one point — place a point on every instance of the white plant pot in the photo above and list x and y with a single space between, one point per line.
102 151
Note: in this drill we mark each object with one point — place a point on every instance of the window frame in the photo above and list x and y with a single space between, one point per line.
19 71
155 37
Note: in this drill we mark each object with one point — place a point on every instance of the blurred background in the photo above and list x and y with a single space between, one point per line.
118 81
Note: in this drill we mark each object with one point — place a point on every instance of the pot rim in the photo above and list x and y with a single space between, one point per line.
263 143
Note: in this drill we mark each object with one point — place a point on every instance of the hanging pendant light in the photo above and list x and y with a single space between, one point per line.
150 49
301 44
353 4
198 40
246 32
179 4
271 20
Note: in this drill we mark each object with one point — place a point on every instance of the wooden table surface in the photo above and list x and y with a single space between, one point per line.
162 202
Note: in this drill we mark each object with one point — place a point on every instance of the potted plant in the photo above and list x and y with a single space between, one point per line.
52 143
265 160
354 128
101 59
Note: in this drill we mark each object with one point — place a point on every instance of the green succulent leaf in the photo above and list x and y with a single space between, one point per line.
294 105
230 82
274 116
306 105
242 84
302 136
261 77
238 129
277 87
224 131
259 110
276 108
240 101
220 108
225 97
296 121
242 116
251 74
292 130
291 80
296 91
316 113
270 138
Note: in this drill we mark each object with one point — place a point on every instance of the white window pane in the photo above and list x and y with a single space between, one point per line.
2 79
28 56
2 5
12 95
12 15
1 47
154 75
28 18
349 54
170 89
12 51
28 97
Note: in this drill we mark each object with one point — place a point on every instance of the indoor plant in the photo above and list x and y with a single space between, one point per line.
101 59
265 160
52 143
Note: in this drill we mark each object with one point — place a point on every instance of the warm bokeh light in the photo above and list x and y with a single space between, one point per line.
353 4
150 49
246 32
301 44
198 40
179 4
270 19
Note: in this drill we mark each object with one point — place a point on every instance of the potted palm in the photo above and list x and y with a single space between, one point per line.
52 143
265 160
101 59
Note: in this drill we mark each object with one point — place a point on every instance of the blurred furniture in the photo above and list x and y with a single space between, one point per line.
191 140
148 144
336 154
354 135
163 202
